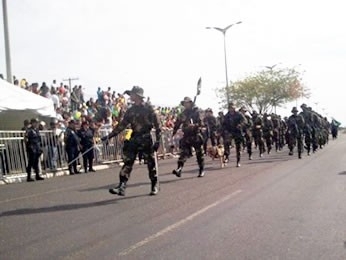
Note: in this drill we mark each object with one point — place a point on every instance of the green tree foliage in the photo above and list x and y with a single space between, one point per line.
266 90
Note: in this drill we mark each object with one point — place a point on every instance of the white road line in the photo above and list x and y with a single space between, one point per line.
39 194
176 225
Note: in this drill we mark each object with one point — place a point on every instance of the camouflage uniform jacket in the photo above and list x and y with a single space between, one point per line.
141 119
190 120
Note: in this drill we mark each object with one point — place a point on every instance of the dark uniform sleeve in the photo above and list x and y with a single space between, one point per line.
242 120
177 125
156 124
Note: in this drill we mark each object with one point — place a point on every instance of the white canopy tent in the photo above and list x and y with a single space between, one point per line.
17 104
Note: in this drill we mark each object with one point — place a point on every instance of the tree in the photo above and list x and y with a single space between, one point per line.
266 90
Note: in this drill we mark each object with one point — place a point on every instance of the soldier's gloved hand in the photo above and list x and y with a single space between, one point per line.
156 146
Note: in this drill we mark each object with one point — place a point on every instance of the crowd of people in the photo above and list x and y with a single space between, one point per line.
200 131
105 110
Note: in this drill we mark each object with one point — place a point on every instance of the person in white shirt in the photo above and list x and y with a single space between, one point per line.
54 97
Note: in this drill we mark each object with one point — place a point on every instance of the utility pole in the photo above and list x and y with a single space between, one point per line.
70 82
7 42
70 86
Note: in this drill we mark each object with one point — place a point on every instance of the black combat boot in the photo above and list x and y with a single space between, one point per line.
28 178
238 162
154 186
38 177
225 158
177 172
201 172
120 189
76 171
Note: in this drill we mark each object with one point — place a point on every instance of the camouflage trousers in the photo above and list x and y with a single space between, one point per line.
259 140
238 141
142 144
295 140
186 144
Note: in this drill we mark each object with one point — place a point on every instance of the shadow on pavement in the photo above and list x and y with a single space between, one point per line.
342 173
27 211
137 184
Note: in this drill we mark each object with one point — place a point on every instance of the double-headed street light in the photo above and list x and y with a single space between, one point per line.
224 30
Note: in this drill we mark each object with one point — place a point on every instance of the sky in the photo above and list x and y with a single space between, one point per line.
164 46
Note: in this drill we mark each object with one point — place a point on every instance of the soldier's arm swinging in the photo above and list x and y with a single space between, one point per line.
119 128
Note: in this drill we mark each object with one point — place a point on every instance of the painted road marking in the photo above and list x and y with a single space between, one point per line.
177 224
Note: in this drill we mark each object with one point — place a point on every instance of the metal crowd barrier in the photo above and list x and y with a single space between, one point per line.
13 155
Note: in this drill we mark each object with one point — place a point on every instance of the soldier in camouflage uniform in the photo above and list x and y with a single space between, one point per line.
257 132
219 123
210 128
247 131
295 124
307 115
142 119
233 130
191 123
268 131
276 131
315 129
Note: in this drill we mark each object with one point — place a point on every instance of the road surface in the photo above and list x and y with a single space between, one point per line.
275 207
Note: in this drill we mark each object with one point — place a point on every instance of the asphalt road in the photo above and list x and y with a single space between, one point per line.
275 207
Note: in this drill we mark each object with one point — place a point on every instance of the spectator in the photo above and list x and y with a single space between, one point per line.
54 97
54 85
44 90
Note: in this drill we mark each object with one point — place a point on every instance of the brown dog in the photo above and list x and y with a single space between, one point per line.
217 152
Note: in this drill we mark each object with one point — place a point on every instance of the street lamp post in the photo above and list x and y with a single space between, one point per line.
7 42
224 30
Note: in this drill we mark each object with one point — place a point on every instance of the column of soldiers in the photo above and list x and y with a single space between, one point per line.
306 130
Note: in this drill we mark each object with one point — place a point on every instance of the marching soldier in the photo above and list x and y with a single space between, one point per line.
268 131
209 123
86 135
34 150
257 132
191 123
247 131
308 130
295 124
233 127
276 131
142 118
219 124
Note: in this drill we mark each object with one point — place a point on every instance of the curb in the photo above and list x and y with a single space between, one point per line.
18 178
21 177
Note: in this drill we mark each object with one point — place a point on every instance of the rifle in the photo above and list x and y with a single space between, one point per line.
199 86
